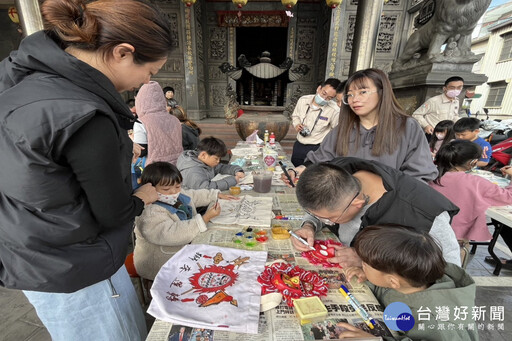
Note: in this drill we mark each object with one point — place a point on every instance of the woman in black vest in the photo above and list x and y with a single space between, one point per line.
67 203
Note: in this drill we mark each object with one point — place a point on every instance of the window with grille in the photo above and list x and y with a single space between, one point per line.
496 94
506 50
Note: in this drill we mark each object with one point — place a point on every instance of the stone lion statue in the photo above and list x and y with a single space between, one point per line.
452 24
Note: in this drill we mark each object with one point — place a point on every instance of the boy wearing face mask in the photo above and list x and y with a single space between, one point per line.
441 107
313 117
172 221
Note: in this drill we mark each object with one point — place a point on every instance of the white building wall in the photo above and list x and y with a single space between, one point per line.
496 71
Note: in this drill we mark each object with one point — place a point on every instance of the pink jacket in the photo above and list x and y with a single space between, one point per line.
163 129
473 195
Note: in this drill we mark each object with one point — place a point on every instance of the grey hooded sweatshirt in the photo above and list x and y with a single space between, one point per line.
197 174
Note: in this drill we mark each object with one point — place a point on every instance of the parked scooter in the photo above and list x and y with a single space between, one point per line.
495 131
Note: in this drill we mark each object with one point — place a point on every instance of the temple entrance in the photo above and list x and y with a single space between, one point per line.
252 42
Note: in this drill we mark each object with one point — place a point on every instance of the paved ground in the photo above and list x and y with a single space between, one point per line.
19 322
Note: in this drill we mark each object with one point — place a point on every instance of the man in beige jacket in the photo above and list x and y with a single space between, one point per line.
441 107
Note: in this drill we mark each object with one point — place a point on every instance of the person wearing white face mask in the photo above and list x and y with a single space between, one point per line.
172 221
313 117
443 133
441 107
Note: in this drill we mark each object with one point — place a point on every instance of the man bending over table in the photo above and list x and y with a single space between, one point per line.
355 193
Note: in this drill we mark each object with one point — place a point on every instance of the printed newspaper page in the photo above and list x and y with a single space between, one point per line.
281 323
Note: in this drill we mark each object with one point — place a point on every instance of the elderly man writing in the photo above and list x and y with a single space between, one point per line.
355 193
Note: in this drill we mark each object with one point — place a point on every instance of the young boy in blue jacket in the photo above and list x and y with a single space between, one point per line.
468 128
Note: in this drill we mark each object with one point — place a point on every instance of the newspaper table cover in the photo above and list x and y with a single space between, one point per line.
248 211
281 323
211 287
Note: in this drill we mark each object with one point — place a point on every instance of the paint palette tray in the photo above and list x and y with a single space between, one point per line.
250 237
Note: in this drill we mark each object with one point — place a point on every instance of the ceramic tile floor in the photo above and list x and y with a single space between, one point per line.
19 322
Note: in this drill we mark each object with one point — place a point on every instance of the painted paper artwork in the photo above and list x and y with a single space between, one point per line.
292 282
212 287
323 251
248 211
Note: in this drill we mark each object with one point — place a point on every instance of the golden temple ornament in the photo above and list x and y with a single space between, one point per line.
289 3
333 3
240 3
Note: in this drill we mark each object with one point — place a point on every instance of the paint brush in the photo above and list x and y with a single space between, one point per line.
285 171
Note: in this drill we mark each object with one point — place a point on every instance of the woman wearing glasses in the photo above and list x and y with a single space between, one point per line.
374 127
355 193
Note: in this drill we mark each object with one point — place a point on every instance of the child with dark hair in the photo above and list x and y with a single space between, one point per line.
443 133
200 166
172 103
403 265
472 194
467 128
172 221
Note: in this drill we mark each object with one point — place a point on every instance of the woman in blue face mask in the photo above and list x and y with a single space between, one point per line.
313 118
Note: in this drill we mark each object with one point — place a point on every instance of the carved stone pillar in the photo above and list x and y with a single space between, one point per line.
191 66
290 51
252 91
334 65
31 19
365 34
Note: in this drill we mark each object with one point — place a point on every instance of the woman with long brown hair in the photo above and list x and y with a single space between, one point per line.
190 131
373 126
67 203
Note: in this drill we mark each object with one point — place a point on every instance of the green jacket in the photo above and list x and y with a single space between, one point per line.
455 289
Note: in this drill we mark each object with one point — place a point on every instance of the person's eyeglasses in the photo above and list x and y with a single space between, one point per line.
330 222
362 94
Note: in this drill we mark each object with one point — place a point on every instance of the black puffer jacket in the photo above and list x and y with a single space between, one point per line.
407 201
190 137
51 238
